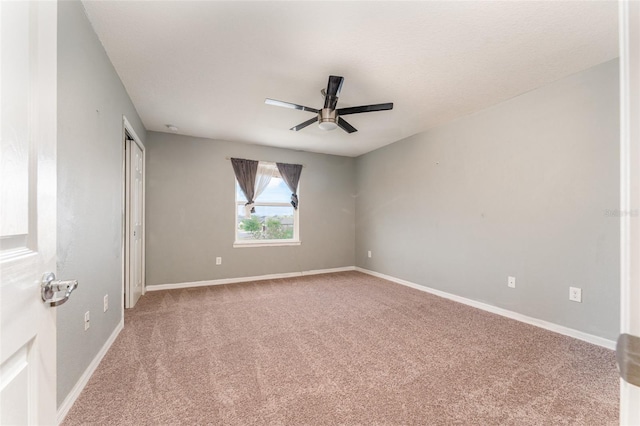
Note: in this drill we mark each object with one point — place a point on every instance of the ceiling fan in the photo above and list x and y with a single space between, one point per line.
329 117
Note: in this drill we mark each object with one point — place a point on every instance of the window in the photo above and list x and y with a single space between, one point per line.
275 221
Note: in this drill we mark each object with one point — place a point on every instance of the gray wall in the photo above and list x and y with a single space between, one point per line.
190 206
520 189
91 102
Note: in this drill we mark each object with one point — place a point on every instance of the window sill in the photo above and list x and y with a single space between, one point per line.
271 243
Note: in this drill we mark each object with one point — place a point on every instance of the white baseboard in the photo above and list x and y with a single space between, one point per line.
247 279
84 379
596 340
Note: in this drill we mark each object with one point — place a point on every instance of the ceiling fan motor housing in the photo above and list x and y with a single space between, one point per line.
327 118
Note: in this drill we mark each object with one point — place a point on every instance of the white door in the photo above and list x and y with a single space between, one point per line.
135 167
28 211
630 201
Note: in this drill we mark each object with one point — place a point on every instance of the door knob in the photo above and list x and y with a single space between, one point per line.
51 289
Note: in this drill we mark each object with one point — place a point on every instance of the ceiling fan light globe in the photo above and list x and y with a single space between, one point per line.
327 125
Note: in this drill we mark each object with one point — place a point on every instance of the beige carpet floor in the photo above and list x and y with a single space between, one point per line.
342 348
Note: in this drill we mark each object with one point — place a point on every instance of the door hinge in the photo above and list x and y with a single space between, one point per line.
628 357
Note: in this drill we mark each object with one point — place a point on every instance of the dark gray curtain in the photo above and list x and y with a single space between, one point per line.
246 171
291 175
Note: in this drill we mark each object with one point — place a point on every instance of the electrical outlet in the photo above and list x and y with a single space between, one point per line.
218 261
575 294
105 303
511 282
86 320
369 253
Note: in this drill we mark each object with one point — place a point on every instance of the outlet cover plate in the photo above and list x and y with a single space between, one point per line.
218 261
575 294
511 282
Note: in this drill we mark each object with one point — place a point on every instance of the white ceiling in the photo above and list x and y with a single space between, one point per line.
207 66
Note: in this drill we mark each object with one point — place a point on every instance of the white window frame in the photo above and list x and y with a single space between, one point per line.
295 241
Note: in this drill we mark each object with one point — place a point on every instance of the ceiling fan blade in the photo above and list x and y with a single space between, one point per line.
305 124
365 108
346 126
289 105
333 90
334 85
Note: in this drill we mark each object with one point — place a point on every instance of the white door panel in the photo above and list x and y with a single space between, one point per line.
135 219
28 76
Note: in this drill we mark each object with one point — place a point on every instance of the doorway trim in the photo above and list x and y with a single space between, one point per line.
629 28
127 130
